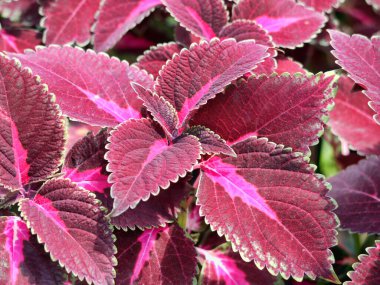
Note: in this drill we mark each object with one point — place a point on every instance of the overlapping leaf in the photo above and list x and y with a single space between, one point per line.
18 40
321 5
116 17
141 162
357 192
198 74
290 24
156 256
31 128
73 228
89 87
269 191
287 109
289 65
360 57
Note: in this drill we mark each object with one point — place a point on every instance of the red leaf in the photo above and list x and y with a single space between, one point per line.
116 17
198 74
322 5
68 21
18 40
289 24
89 87
156 256
27 111
289 65
269 191
142 162
66 219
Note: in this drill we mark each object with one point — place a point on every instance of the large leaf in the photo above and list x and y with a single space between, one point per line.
357 191
272 207
31 128
157 256
289 24
198 74
366 272
89 87
68 219
116 17
205 18
23 260
18 40
352 119
360 57
287 109
322 5
141 162
68 21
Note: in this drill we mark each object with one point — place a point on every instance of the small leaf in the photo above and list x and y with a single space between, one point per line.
289 65
322 5
68 219
18 40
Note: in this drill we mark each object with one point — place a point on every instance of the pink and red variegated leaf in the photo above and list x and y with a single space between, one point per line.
360 57
116 17
211 142
228 268
357 192
268 191
141 162
68 21
352 119
31 127
156 211
289 110
18 40
154 59
322 5
67 218
289 65
290 24
204 18
90 87
366 272
156 256
198 74
23 260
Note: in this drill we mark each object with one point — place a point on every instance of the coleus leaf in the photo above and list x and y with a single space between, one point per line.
23 260
8 198
358 185
198 74
267 191
18 41
155 256
31 127
97 92
322 5
63 210
156 211
287 109
228 268
290 24
14 9
366 272
141 162
360 57
374 3
289 65
68 21
352 119
116 17
154 59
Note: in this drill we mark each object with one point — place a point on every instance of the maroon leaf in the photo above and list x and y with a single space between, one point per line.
228 268
360 57
322 5
289 65
289 110
31 128
366 272
66 219
8 198
116 17
89 87
205 18
154 59
156 256
142 162
157 211
18 40
352 119
357 191
23 260
198 74
289 24
269 191
68 21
